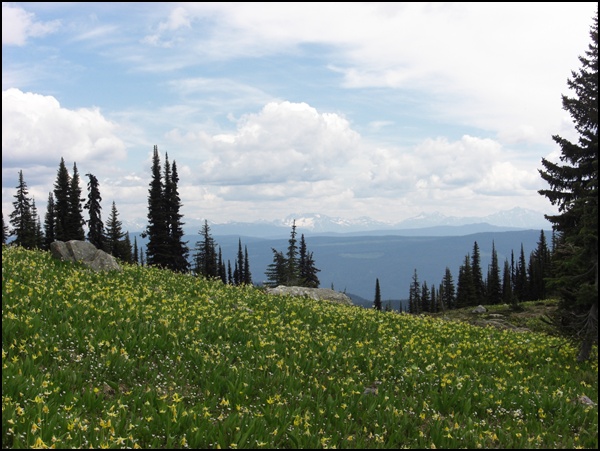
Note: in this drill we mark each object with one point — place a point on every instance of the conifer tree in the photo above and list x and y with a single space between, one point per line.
507 290
221 265
247 274
62 203
95 224
39 234
206 263
277 271
539 269
493 285
292 272
115 243
21 219
425 297
466 294
306 266
448 291
157 230
377 302
178 248
75 221
136 252
414 295
480 293
573 187
238 274
521 283
49 222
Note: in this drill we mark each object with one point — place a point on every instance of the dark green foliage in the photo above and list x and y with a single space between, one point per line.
521 283
414 295
4 231
573 188
206 263
507 290
93 205
75 220
157 230
539 269
117 242
49 222
178 248
465 289
296 267
447 293
62 188
377 302
22 217
493 285
425 298
480 292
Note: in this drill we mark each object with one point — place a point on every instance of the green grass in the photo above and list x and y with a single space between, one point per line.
148 358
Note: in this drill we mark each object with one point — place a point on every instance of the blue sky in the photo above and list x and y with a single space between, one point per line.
386 110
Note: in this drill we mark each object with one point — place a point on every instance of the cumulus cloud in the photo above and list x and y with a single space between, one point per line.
36 130
18 25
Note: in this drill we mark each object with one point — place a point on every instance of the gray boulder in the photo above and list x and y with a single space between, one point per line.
86 253
479 309
325 294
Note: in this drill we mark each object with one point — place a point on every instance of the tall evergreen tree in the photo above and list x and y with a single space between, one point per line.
39 234
21 219
521 286
178 248
539 269
448 291
507 290
238 275
206 262
292 258
94 207
136 252
414 295
75 221
221 264
277 271
573 187
247 273
377 302
157 230
115 244
477 274
307 270
425 297
49 222
465 286
62 203
493 285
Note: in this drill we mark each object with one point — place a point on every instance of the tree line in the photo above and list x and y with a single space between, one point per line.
166 248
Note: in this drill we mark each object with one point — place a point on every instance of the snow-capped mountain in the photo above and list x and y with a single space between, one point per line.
316 223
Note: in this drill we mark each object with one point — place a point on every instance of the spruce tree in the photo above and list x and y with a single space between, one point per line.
39 234
539 269
157 230
448 291
247 273
50 222
573 187
292 273
21 219
277 271
465 286
306 267
206 263
493 285
94 207
114 236
62 203
480 293
178 248
377 302
507 290
521 286
414 295
75 221
425 298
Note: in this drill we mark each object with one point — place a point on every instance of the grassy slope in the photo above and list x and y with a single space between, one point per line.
147 358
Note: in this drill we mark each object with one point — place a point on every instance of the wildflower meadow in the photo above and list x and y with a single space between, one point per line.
147 358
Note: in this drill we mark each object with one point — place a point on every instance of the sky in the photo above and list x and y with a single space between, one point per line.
386 110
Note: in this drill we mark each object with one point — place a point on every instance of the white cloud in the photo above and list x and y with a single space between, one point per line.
18 25
37 130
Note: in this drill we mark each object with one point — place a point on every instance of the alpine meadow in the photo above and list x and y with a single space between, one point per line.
175 347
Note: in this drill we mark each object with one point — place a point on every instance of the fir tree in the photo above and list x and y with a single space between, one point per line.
178 248
493 285
115 245
377 302
136 251
307 270
425 298
292 274
466 294
21 219
75 220
247 274
62 203
157 231
573 187
39 234
95 224
277 271
477 275
539 269
49 222
507 291
206 254
448 291
414 295
521 283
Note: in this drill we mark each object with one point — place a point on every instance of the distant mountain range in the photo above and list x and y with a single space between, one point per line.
435 224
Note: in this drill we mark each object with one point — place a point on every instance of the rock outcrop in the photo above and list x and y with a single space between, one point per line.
325 294
86 253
